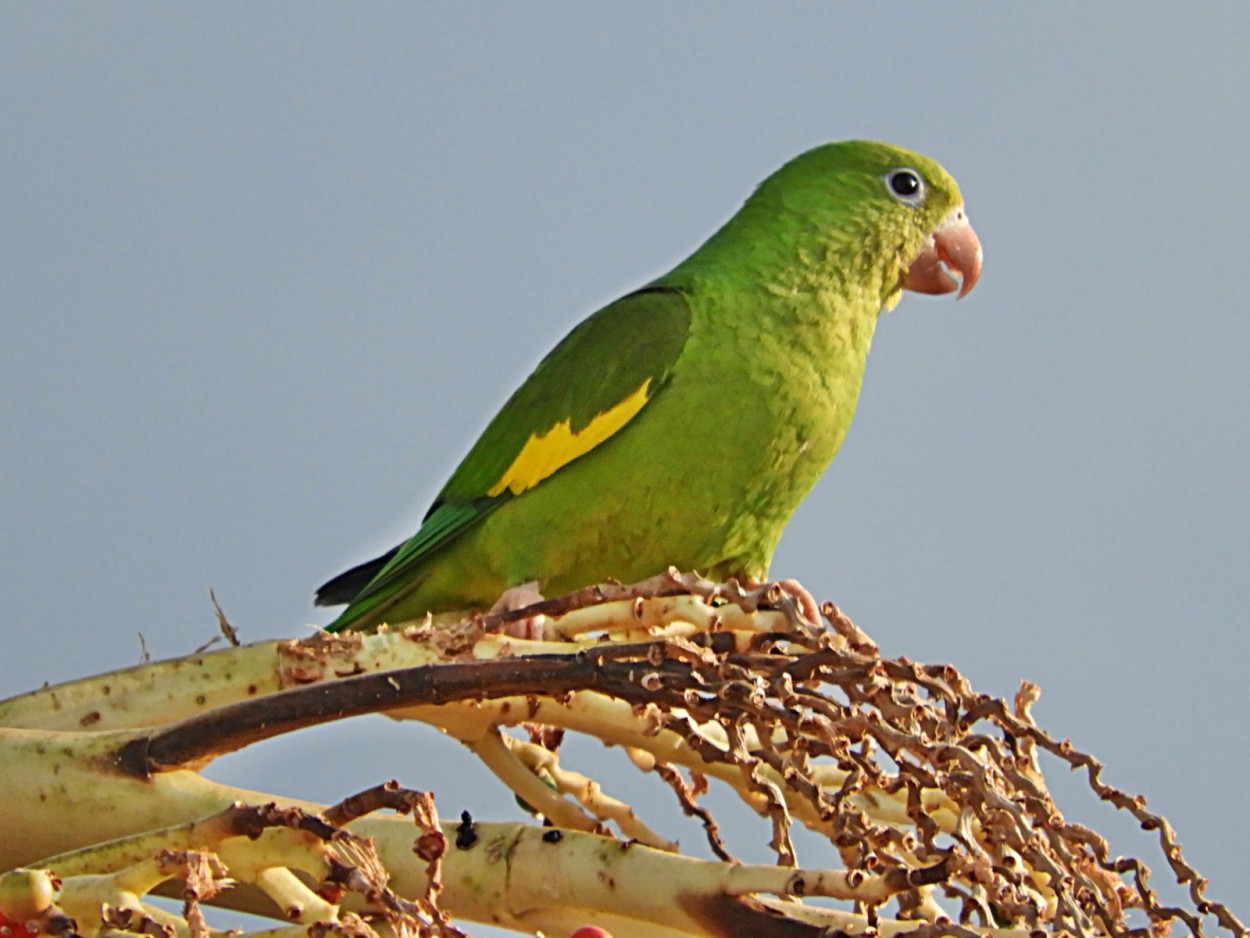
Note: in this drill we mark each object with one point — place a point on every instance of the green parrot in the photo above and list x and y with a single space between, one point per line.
682 424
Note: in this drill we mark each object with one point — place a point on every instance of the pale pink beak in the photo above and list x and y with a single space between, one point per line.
952 248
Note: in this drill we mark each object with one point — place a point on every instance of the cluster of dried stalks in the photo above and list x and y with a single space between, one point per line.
931 796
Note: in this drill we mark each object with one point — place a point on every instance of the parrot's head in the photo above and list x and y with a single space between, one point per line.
890 218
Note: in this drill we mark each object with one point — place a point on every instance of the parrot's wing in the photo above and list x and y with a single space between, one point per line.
590 386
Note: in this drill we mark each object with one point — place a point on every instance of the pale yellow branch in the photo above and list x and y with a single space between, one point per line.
497 753
589 794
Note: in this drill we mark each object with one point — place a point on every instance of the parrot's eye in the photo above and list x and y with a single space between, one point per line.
906 186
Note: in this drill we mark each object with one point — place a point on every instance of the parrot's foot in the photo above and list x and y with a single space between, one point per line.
519 597
809 609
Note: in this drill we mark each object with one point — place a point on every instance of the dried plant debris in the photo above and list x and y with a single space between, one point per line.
930 796
306 866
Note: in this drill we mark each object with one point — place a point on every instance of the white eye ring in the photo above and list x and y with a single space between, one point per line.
906 185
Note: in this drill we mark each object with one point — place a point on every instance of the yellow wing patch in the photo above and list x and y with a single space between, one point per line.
544 453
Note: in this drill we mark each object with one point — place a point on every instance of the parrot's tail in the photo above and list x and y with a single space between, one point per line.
344 587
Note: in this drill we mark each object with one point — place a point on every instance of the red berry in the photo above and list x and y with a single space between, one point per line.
12 929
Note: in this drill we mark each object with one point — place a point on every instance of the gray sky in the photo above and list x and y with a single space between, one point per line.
268 270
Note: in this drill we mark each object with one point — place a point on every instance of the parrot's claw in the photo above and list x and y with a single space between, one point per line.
519 597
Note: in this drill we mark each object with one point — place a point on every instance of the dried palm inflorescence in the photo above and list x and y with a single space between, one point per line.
931 796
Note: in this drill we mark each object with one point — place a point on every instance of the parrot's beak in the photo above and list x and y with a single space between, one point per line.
952 249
